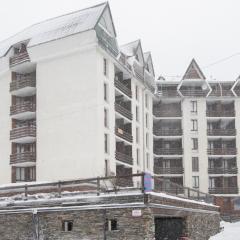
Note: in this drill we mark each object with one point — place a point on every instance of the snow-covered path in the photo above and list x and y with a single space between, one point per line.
231 232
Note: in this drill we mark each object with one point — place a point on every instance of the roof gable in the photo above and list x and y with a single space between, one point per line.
149 62
193 71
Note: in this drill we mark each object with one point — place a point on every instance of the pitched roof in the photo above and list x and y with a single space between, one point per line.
130 49
193 71
56 28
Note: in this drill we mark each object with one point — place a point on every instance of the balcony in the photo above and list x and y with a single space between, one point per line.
221 170
26 134
123 134
220 113
23 111
19 58
168 112
124 111
122 87
222 151
167 132
23 85
193 92
23 158
124 158
221 132
223 190
166 151
170 170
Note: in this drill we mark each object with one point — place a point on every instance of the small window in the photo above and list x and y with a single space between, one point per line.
137 135
111 225
105 117
147 140
137 93
137 113
105 92
194 125
138 156
106 143
146 101
105 67
148 161
195 164
106 168
195 181
193 106
67 226
147 120
194 144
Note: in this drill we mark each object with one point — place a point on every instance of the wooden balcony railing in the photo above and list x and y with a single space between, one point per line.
223 93
124 158
221 132
165 151
123 134
167 132
123 111
24 81
222 151
19 58
220 113
26 131
223 190
22 107
194 93
158 112
171 170
168 93
23 157
220 170
123 88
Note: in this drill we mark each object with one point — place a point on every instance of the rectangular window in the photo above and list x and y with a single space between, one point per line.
137 113
194 144
195 181
147 140
193 106
137 135
20 174
106 168
136 93
111 225
105 118
147 120
105 92
67 226
194 125
106 142
195 164
146 101
148 161
105 67
25 174
138 156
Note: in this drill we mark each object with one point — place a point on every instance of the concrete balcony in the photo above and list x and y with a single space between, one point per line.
26 134
167 132
23 85
124 111
23 111
223 190
220 170
122 87
222 151
170 170
123 134
124 158
23 159
221 132
170 151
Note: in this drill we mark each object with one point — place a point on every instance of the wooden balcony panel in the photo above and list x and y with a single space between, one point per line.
168 93
223 190
194 93
123 111
123 88
19 58
22 107
25 81
220 113
222 151
124 158
23 157
27 131
158 112
221 132
171 170
171 151
219 170
167 132
124 135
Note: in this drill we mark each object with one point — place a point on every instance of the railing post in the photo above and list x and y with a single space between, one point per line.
98 186
59 189
26 191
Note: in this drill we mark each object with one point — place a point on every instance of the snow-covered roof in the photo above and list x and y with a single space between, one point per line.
129 49
56 28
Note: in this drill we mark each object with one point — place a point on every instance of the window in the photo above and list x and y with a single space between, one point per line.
105 117
105 92
147 140
106 168
137 113
25 174
194 125
106 143
194 144
195 181
146 120
148 160
111 225
195 164
67 226
137 93
137 135
20 174
105 67
138 156
146 101
193 106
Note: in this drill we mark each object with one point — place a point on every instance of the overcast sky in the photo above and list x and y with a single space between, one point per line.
174 31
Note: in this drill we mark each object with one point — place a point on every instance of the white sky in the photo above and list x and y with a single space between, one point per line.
174 31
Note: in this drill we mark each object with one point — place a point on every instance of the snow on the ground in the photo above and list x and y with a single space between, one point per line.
231 231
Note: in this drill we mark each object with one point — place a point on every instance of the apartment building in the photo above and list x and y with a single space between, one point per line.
73 103
197 133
